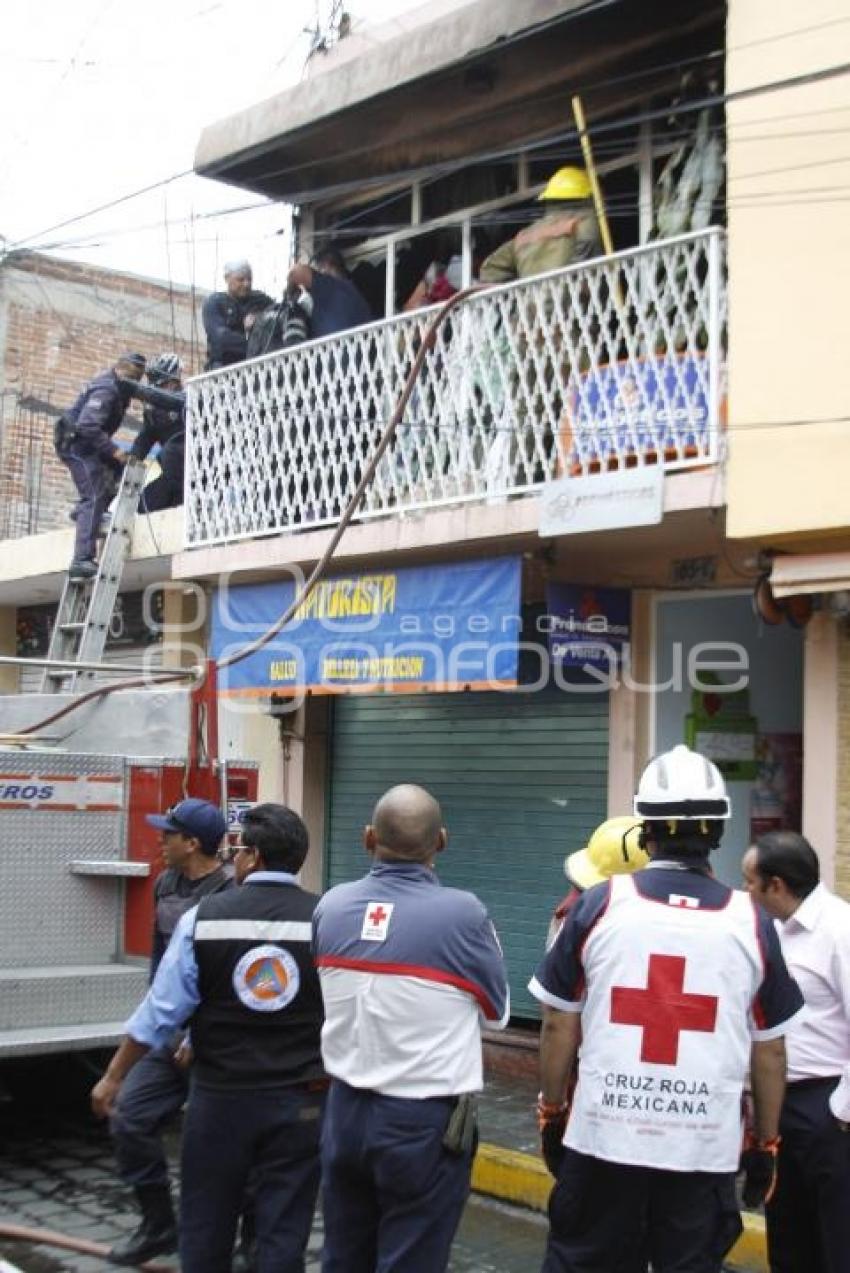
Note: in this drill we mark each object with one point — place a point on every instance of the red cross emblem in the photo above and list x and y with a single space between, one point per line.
378 915
663 1010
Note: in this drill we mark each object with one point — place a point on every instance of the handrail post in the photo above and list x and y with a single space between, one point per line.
714 346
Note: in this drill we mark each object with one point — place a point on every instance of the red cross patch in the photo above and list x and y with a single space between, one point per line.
376 921
663 1010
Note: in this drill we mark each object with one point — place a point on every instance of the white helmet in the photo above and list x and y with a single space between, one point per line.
681 785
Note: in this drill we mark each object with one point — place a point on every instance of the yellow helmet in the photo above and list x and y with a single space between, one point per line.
567 183
613 849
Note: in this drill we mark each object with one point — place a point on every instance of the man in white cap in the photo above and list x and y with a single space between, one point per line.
228 316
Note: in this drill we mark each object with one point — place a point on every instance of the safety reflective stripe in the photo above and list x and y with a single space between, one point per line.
252 930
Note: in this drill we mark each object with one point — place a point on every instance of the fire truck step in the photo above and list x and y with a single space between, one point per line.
71 995
71 1038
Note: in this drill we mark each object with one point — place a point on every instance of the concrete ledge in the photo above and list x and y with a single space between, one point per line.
523 1180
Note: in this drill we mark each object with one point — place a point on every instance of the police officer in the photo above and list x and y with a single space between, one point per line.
408 970
566 234
239 968
675 984
164 424
156 1089
229 315
83 443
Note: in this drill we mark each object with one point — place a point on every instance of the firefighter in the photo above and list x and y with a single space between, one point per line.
229 315
239 969
613 849
566 234
675 983
156 1090
83 441
164 423
408 970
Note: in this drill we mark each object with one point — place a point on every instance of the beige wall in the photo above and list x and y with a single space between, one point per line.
8 645
789 269
842 835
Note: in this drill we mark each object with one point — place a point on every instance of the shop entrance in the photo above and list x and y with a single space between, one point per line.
755 734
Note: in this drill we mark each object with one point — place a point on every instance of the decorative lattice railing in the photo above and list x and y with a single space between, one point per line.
615 363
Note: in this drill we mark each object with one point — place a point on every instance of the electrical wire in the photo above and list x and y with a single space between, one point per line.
600 129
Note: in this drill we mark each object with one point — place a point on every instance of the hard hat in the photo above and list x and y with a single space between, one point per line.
681 785
613 849
164 367
567 183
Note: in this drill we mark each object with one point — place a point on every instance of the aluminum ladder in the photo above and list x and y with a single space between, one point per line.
85 609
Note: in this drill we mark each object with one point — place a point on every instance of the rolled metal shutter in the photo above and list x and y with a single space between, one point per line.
522 780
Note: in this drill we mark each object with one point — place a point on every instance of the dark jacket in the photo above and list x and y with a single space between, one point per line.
224 323
97 414
164 418
260 1013
337 305
173 894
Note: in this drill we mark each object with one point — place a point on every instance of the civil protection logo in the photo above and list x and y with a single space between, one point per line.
266 978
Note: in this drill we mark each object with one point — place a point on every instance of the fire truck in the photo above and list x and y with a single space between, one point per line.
78 859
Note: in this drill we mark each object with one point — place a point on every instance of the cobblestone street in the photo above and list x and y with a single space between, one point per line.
57 1172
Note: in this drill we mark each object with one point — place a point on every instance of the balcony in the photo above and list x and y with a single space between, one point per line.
613 364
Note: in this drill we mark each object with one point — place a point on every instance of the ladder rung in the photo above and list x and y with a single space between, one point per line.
71 627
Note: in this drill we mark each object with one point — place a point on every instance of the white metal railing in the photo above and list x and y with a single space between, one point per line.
615 363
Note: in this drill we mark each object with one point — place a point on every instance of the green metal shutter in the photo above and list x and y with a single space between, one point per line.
522 780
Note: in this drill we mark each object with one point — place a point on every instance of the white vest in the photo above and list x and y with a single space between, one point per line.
666 1032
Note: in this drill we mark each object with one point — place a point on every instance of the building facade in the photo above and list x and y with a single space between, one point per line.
574 551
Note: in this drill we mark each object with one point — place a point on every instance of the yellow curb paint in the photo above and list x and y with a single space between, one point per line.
750 1251
522 1179
511 1176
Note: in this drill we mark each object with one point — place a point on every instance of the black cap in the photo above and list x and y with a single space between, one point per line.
134 360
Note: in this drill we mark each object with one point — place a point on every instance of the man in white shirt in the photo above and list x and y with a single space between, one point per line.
808 1218
409 970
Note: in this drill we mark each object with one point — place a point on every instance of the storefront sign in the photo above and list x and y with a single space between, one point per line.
447 627
607 501
643 406
587 625
135 620
720 726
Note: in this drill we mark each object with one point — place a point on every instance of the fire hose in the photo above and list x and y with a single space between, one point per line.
428 341
49 1237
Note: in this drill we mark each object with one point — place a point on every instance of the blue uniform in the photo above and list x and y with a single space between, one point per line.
408 971
156 1088
224 322
163 425
83 444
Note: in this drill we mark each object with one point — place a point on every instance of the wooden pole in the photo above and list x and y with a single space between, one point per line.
596 190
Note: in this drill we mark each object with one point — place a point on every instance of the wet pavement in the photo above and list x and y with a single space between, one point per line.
57 1172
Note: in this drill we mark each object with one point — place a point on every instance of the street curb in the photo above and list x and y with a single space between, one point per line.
523 1180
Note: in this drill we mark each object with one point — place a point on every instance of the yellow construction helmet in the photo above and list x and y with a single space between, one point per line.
613 849
567 183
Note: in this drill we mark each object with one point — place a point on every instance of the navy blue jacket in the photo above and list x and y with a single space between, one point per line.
98 412
337 305
224 323
164 418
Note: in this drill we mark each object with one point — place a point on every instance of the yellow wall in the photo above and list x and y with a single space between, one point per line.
789 269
